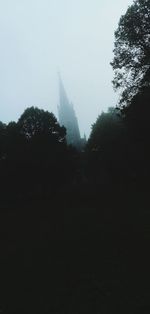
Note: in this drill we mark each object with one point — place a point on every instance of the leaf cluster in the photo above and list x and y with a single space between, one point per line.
131 63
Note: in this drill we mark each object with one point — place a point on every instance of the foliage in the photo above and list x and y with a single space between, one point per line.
105 131
131 63
34 157
137 120
107 145
2 139
137 115
37 122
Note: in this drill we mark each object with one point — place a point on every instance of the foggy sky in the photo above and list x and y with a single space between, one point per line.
38 38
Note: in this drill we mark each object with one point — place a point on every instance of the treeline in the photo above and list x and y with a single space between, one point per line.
118 147
35 160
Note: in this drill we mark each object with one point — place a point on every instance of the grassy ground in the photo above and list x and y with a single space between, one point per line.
81 251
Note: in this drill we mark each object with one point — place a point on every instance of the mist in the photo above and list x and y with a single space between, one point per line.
74 209
41 37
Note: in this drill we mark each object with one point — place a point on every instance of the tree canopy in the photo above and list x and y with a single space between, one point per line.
37 122
107 146
34 156
2 139
105 131
131 63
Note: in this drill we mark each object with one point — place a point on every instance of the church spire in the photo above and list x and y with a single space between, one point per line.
67 116
63 98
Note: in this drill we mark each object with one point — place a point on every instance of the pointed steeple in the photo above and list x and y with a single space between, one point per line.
67 116
63 99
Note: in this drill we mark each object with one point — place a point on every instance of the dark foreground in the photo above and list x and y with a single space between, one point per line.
76 252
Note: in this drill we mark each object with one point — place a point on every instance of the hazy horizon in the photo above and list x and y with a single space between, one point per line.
40 38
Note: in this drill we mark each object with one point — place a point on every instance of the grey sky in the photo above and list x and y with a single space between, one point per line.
38 38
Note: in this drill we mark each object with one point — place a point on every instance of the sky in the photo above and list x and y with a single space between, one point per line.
39 38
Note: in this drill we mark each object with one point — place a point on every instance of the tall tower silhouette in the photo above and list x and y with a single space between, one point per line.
67 117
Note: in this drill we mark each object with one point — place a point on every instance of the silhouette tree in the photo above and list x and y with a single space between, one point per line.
105 130
107 145
44 149
2 140
35 152
37 122
137 120
14 142
131 63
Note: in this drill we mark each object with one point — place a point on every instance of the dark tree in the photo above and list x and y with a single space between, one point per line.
14 142
33 154
105 131
137 115
2 140
37 122
131 63
107 145
137 120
